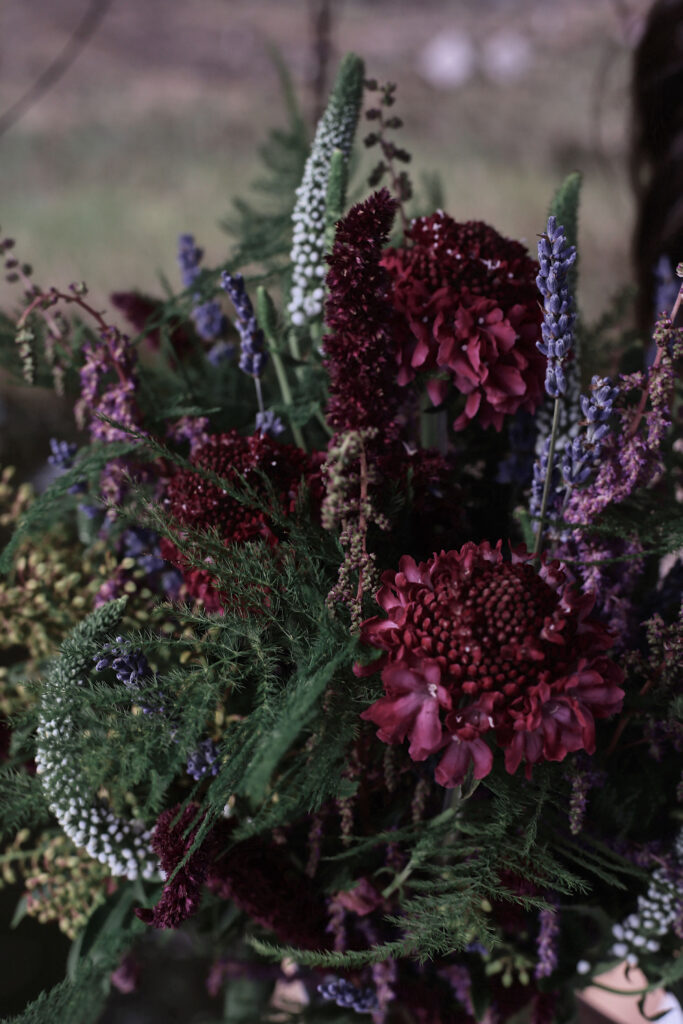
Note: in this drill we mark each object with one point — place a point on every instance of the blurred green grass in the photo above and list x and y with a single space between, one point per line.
98 181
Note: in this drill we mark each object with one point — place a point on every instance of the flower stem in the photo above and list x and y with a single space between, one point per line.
548 478
285 389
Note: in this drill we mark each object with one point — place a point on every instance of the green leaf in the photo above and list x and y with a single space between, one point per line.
20 912
107 920
246 1000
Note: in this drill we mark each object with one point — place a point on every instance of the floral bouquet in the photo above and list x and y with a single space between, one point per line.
349 638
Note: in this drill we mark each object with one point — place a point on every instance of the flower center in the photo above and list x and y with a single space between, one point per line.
483 626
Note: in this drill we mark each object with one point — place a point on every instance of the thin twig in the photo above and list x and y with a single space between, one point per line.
54 71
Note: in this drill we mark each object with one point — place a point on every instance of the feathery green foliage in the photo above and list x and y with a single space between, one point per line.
262 230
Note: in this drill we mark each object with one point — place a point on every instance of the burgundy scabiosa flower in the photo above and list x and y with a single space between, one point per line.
471 317
478 648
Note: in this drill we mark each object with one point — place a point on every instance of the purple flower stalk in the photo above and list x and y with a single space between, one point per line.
582 455
348 996
253 357
62 459
209 319
555 257
63 453
114 398
548 932
189 259
268 423
143 545
190 428
130 666
220 352
204 760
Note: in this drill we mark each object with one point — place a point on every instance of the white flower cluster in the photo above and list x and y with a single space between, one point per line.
124 846
657 909
335 131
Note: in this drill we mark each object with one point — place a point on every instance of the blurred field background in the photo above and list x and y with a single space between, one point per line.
156 125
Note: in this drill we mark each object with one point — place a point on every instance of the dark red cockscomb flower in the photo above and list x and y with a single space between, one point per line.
476 649
261 881
255 874
360 355
182 894
196 502
471 314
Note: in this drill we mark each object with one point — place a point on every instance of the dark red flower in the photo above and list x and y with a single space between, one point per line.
182 894
360 354
471 317
255 874
197 502
140 310
261 881
411 707
511 653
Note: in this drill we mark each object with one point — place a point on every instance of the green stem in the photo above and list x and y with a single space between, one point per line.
323 423
548 478
7 858
286 393
294 349
399 879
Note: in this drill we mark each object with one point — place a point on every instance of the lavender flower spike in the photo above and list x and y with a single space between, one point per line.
548 933
204 760
253 357
580 458
208 317
268 423
557 330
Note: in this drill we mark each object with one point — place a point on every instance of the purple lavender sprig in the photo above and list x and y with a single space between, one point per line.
62 460
548 933
555 257
129 665
205 760
580 458
348 996
63 454
189 259
131 668
268 423
253 355
209 319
